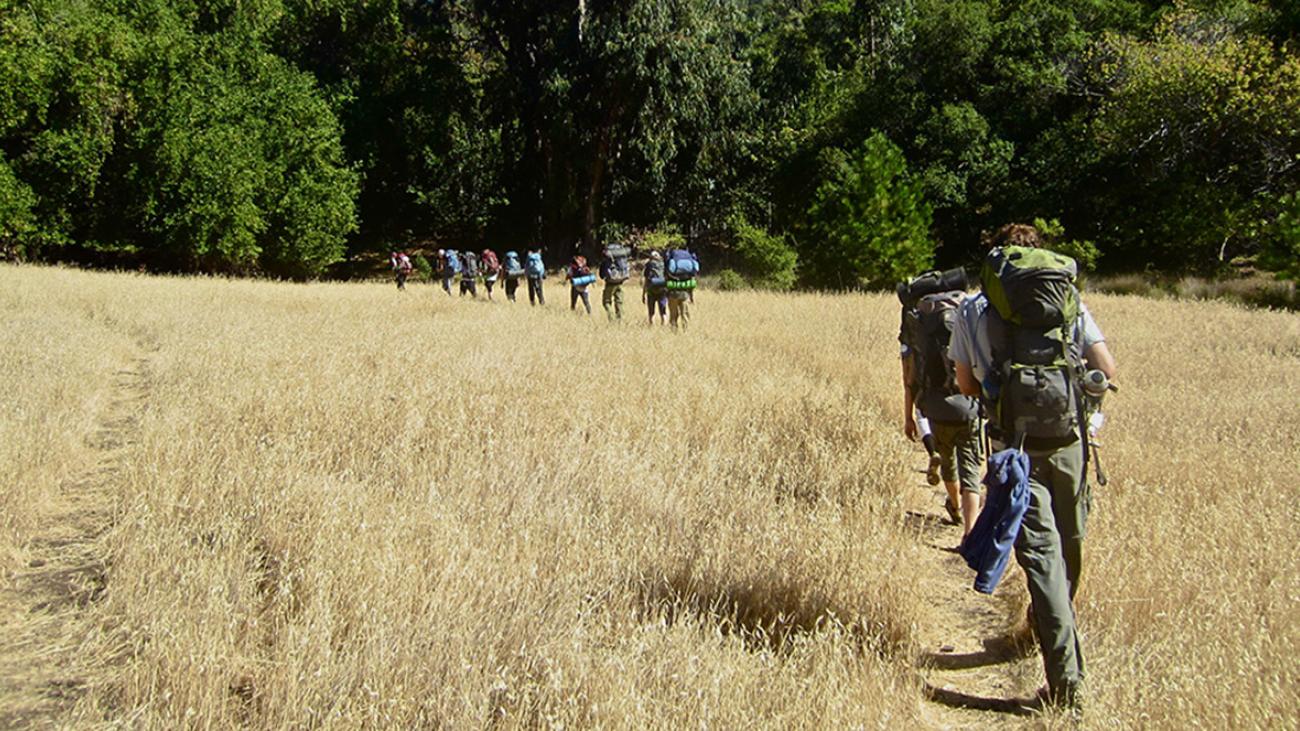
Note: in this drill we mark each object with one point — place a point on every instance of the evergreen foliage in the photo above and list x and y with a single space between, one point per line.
278 136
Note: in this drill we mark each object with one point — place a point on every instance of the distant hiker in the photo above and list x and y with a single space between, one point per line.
1021 346
580 278
448 268
401 264
654 287
930 305
681 268
491 268
513 271
469 274
614 271
536 272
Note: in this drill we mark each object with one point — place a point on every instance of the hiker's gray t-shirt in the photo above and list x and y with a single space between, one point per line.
970 338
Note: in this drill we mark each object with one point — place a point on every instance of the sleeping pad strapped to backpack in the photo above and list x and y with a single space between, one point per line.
682 267
1035 390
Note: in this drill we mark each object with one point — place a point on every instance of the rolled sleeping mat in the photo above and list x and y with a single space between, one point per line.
681 285
583 280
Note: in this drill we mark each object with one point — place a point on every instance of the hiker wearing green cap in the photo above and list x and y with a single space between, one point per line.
1022 346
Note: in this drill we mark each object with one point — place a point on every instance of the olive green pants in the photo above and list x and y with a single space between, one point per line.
612 298
1050 549
961 453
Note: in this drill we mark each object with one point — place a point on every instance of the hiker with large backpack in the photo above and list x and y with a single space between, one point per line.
536 271
448 268
579 276
491 268
512 270
1023 346
614 271
930 304
401 264
469 274
681 268
654 288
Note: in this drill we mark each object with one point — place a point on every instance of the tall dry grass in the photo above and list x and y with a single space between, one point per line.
58 349
351 508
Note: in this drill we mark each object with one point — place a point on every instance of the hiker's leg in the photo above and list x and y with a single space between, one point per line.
618 302
685 317
945 446
969 450
650 308
607 300
663 307
1071 500
1038 550
674 311
586 300
533 290
573 298
541 292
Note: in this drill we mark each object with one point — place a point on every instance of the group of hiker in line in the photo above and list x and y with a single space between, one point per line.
668 278
1017 371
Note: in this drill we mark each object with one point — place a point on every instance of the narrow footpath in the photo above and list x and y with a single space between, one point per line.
43 629
978 673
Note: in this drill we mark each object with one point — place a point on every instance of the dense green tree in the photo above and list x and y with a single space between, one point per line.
868 218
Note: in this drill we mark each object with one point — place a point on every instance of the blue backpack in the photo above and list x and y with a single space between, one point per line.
453 261
536 269
514 269
682 265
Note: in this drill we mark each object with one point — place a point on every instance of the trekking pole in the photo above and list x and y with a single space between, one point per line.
1096 458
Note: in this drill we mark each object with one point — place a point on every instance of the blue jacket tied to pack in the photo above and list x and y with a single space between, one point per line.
988 547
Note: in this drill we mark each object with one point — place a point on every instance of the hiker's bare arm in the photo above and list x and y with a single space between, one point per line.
909 421
1098 356
966 382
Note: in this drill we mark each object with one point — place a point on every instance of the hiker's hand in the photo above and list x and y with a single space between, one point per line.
909 428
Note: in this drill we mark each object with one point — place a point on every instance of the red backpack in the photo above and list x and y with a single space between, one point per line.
489 262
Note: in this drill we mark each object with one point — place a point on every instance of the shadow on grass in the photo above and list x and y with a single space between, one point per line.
958 699
765 617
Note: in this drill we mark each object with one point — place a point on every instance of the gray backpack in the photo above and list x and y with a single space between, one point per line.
934 381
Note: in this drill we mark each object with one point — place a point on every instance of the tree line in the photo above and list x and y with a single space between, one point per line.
834 143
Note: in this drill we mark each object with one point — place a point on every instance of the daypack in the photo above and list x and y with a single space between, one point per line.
682 265
469 266
654 276
401 263
934 377
514 270
536 269
491 266
616 269
453 263
1036 387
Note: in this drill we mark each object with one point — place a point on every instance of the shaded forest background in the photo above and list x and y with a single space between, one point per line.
823 142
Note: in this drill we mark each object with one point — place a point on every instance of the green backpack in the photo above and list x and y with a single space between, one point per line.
1035 392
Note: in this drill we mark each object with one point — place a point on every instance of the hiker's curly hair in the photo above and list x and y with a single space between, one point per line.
1014 234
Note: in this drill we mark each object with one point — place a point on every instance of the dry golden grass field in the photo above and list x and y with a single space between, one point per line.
247 504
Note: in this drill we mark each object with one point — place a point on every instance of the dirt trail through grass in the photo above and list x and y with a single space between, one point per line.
43 629
977 674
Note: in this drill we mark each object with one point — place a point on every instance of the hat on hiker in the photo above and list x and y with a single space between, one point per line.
656 255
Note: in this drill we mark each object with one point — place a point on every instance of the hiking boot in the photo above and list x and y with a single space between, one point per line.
932 474
954 514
